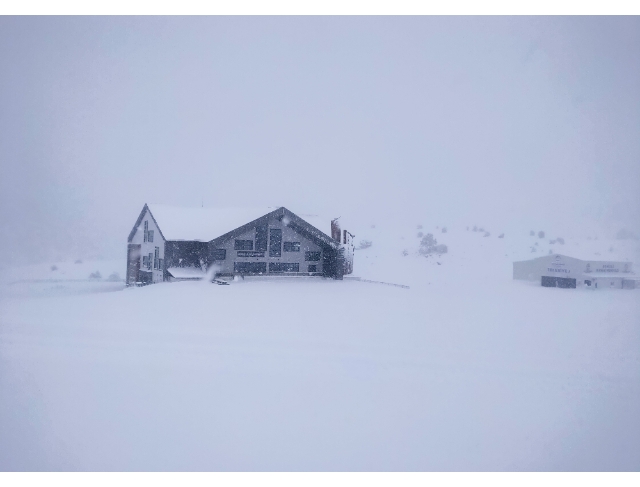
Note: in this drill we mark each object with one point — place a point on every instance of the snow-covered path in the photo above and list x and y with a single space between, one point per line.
321 375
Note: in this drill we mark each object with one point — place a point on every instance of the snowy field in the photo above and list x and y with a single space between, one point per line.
465 370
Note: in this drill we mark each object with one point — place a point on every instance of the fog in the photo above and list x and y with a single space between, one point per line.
528 119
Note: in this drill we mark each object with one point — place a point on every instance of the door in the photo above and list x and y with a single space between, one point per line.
133 263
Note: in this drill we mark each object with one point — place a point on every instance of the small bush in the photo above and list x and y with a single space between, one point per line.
405 252
54 267
95 275
114 277
560 240
429 245
501 235
365 244
540 234
440 249
625 234
486 234
419 227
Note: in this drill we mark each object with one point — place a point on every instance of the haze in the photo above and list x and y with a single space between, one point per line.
452 119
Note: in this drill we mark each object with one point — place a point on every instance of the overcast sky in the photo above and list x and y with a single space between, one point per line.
432 118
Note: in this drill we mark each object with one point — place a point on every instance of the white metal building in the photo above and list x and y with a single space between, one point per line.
564 271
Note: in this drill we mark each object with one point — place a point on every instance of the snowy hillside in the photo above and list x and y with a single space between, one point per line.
465 370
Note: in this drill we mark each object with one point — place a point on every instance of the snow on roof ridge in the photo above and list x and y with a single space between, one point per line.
202 223
197 223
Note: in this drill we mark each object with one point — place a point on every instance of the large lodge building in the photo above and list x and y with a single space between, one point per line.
170 243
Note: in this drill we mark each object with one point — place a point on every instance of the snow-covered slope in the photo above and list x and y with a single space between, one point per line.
466 370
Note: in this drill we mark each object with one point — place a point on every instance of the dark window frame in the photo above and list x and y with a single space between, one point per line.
250 267
216 253
291 246
312 268
275 240
281 267
313 256
242 244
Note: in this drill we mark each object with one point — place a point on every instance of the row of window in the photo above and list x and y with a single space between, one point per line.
274 267
148 234
245 247
153 259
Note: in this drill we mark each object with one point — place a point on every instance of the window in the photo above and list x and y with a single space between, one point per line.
312 256
156 256
219 254
312 268
275 242
261 238
250 267
243 245
150 235
292 246
249 253
149 261
145 260
283 267
146 230
160 262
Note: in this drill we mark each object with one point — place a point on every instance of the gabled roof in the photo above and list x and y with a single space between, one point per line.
292 220
137 223
218 224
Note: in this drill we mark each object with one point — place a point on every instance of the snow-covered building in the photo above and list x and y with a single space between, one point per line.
171 243
562 271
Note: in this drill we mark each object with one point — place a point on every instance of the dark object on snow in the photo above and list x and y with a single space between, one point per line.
562 282
438 263
114 277
560 240
420 234
540 234
444 229
221 283
54 267
501 235
79 261
365 244
486 234
532 233
95 275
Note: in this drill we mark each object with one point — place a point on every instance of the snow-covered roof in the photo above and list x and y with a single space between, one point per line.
186 272
202 224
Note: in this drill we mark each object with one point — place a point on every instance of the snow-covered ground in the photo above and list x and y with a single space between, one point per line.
465 370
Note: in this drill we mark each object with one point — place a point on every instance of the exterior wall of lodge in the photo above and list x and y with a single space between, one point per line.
151 248
234 256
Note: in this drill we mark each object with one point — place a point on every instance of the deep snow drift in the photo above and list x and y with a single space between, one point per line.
466 370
